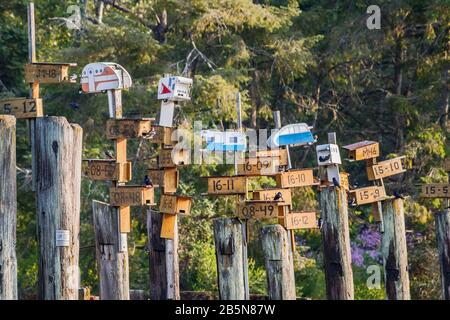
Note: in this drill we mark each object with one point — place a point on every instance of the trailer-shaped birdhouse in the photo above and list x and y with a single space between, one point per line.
297 134
224 141
363 150
40 72
328 154
103 76
174 88
174 204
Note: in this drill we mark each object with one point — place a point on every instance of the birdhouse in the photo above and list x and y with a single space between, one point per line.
174 204
48 72
363 150
128 128
171 157
167 179
174 88
297 134
102 76
328 154
124 196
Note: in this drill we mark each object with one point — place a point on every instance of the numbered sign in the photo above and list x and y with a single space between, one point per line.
227 185
167 179
48 72
282 195
435 190
368 194
173 157
128 128
385 169
175 204
162 135
280 154
107 170
258 167
22 108
296 178
363 150
300 220
131 196
257 210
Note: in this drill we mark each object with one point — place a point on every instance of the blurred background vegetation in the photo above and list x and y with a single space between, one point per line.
315 60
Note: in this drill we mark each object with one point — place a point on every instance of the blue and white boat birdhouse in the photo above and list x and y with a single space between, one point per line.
297 134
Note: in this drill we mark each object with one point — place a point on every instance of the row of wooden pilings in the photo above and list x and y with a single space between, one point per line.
57 181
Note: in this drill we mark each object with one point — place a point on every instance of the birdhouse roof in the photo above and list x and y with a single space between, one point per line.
358 145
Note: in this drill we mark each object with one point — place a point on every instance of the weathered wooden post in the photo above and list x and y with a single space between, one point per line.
57 162
336 240
394 251
163 258
443 237
279 263
228 238
112 264
8 208
443 243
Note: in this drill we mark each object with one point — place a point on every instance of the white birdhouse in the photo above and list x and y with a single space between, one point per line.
328 154
104 76
174 88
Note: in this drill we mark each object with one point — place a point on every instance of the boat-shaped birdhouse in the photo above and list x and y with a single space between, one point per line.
103 76
297 134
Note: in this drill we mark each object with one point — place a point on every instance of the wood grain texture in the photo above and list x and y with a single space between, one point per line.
228 237
336 244
279 263
57 162
8 208
394 251
443 243
113 268
163 256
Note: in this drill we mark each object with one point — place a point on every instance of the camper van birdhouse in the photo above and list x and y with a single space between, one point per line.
297 134
328 154
103 76
174 88
224 141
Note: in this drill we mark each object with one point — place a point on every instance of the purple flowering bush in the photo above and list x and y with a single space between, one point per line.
366 247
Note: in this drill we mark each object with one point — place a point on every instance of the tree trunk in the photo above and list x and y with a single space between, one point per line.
57 162
393 249
228 237
8 208
336 244
112 264
279 263
443 243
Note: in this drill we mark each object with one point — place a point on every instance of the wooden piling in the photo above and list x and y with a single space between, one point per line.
112 263
443 243
336 244
228 237
163 256
57 162
8 208
394 251
279 263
